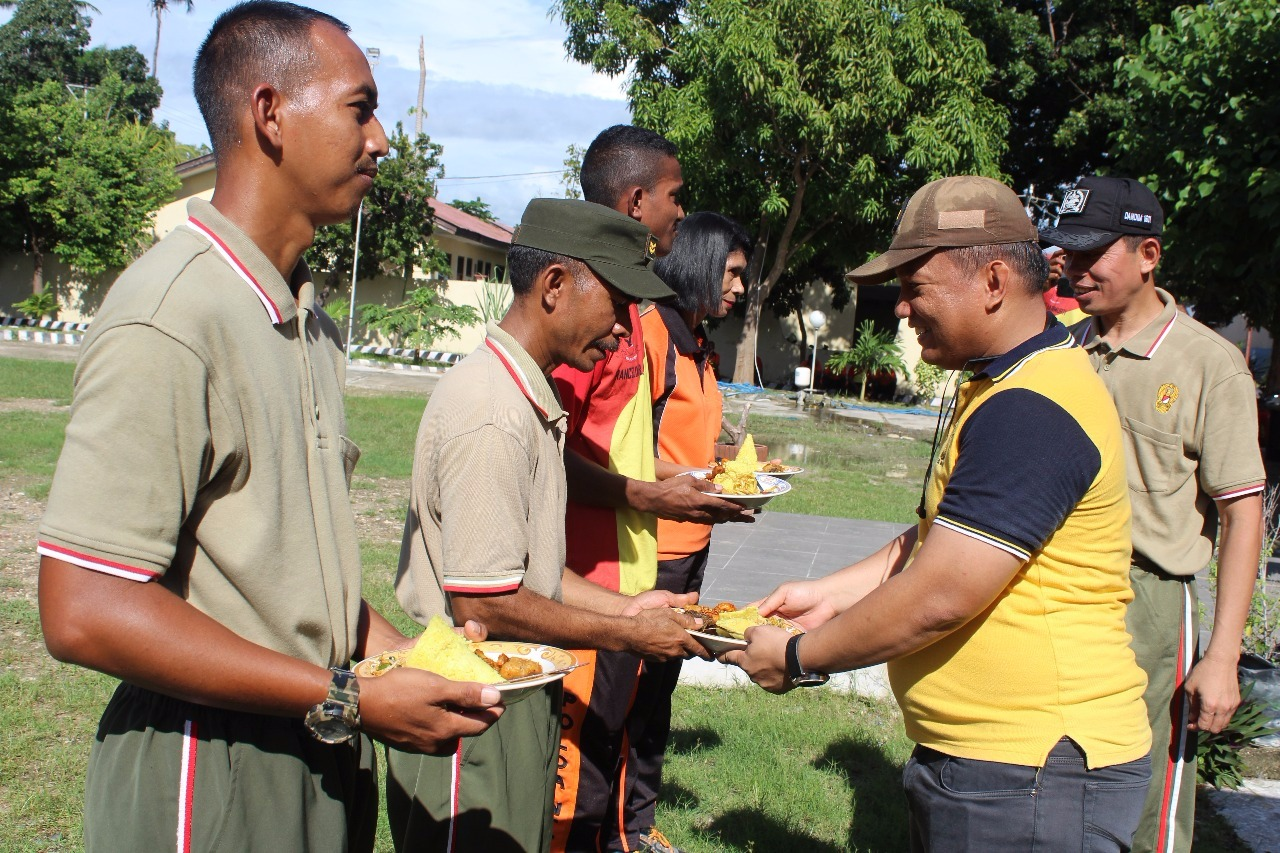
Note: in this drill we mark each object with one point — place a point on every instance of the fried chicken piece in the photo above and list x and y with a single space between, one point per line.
518 668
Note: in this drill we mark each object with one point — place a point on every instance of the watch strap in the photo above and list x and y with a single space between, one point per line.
344 693
796 673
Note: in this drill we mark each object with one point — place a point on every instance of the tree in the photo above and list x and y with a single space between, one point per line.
873 352
76 182
42 41
158 8
1202 135
571 177
810 120
395 240
477 208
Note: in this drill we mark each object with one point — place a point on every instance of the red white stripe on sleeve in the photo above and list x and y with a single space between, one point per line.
97 564
453 583
1240 492
227 255
187 784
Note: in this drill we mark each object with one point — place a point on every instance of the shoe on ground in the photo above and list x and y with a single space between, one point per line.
656 842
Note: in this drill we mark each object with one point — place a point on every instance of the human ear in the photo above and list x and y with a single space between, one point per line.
1148 254
635 202
267 103
996 278
552 283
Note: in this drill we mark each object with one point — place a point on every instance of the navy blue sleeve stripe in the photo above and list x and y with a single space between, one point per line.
1023 465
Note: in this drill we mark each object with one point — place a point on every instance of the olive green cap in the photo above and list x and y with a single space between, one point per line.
616 247
965 210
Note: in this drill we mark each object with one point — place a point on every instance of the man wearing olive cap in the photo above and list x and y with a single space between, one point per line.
1001 614
485 535
1187 401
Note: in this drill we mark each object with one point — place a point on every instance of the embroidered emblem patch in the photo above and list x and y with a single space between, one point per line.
1165 397
651 250
1074 201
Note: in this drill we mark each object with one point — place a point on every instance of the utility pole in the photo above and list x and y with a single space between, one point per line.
418 114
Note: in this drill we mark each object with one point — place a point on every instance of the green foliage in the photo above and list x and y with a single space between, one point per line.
793 115
142 92
76 180
37 305
928 378
1262 625
495 299
874 351
396 222
571 177
42 41
477 208
423 316
1202 134
1218 754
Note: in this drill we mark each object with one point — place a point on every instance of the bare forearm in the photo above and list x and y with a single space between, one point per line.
851 584
663 469
525 615
1238 553
127 629
594 485
580 592
375 634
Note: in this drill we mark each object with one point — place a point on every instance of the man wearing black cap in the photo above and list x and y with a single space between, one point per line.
485 535
1186 400
1001 615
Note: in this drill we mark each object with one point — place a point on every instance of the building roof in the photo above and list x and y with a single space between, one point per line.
450 220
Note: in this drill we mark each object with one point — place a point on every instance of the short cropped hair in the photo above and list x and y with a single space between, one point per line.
694 269
621 157
525 262
258 41
1026 260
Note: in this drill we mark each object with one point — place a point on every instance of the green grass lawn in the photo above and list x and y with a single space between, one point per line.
810 771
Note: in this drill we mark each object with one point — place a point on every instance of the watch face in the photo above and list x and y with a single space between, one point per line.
810 679
326 727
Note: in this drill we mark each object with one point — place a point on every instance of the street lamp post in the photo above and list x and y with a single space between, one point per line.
373 54
816 320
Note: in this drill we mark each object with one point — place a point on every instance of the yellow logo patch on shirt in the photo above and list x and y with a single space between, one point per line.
1165 397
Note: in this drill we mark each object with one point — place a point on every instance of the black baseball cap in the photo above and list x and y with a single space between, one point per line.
616 247
1098 211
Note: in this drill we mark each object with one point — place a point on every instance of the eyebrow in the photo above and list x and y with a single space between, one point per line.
365 89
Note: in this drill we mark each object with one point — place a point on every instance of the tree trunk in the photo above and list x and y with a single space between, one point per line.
37 268
863 396
745 359
155 55
418 114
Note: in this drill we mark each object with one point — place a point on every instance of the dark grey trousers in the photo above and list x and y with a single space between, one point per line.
960 804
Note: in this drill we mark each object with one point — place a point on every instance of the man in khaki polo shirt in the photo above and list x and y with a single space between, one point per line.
485 535
1187 407
199 542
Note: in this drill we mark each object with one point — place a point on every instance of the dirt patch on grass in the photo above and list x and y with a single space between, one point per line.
24 405
19 519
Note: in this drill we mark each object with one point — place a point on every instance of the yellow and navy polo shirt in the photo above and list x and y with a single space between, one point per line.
1032 463
1188 408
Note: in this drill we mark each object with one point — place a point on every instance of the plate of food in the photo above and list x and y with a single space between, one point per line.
776 468
747 488
515 669
724 625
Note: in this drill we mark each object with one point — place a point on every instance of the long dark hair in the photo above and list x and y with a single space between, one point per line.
695 267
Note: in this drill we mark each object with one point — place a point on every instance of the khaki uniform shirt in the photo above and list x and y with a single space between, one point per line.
1188 409
207 447
487 501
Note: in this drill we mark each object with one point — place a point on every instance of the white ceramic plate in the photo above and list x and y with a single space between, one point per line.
556 664
770 488
718 644
790 472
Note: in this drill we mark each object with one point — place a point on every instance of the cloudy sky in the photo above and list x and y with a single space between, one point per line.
501 96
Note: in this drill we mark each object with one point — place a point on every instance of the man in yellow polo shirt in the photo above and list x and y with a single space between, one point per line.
1002 613
1187 405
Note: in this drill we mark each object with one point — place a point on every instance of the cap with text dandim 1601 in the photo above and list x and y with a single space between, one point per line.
616 247
965 210
1098 211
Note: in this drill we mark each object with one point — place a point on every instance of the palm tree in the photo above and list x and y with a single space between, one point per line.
158 8
874 351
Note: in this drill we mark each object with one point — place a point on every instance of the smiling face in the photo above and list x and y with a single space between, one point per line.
732 287
1108 280
944 307
330 138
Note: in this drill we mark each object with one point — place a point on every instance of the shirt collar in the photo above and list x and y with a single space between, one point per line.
531 381
1000 367
1146 342
687 343
247 260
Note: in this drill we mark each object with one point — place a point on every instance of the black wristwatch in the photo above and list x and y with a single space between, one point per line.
799 677
337 718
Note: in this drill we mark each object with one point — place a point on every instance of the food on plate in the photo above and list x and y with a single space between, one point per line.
774 466
511 668
727 620
733 479
443 651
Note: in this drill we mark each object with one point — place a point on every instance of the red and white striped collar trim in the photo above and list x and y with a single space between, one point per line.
1164 333
273 311
521 378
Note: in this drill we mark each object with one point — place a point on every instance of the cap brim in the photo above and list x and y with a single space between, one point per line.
640 283
880 269
1076 239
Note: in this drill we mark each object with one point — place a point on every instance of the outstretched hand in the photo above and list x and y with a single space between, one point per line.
803 602
684 498
764 659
